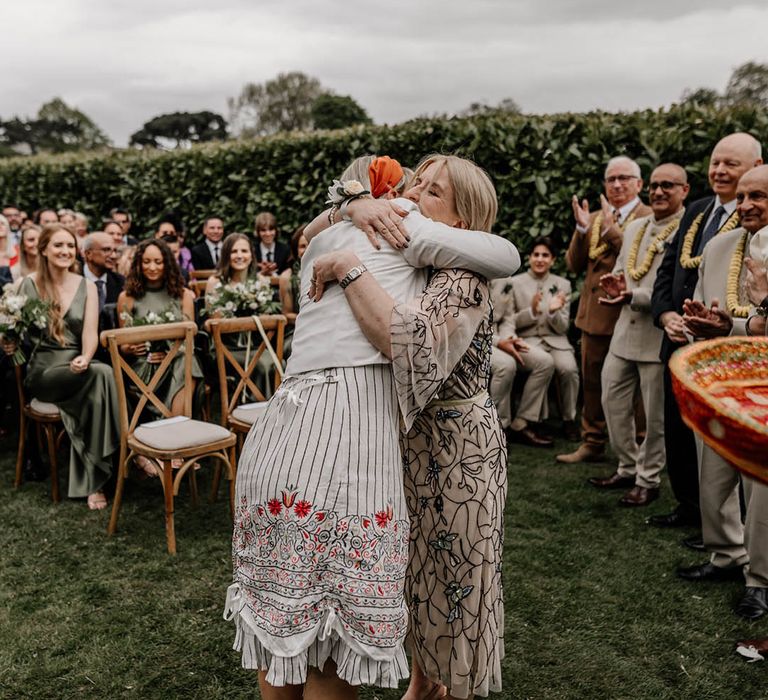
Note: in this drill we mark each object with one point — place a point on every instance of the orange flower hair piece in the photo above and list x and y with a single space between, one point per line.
385 173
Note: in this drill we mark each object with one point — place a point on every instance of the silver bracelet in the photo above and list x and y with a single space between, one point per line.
352 275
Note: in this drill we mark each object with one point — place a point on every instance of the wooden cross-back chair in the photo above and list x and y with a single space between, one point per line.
47 421
235 414
169 438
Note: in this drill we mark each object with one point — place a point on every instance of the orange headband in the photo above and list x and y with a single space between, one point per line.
384 174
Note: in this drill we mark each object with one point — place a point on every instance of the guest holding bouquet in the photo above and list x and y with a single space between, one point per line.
61 368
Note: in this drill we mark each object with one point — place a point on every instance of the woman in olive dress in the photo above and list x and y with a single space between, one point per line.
62 370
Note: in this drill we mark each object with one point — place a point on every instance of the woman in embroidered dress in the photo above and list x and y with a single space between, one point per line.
320 545
454 451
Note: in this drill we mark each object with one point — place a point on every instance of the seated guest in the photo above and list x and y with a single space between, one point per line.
291 277
166 227
67 218
124 259
206 255
9 251
540 300
272 255
185 255
43 217
15 220
99 255
123 217
28 252
172 241
115 230
81 225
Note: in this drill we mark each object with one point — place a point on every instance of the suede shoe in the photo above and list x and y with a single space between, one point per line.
614 481
639 496
753 604
710 572
583 453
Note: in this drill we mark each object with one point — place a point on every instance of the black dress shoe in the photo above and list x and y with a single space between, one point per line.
695 543
753 604
674 519
710 572
614 481
527 436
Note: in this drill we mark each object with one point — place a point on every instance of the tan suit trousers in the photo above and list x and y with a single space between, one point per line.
540 365
621 380
756 533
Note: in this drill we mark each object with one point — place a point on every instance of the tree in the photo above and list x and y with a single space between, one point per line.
507 106
337 111
748 85
281 104
184 128
705 97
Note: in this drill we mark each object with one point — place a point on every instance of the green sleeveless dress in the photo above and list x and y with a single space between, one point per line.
87 401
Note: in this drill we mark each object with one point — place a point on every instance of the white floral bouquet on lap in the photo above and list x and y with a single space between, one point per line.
250 298
153 318
19 313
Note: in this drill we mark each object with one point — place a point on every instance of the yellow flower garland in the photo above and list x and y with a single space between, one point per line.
686 259
655 247
596 249
732 288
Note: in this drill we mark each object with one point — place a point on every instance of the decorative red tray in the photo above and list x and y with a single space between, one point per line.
721 387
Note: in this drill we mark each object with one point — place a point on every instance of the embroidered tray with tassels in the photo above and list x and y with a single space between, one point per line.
721 387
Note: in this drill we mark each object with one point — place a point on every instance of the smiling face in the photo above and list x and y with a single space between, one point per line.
213 230
667 190
267 235
541 260
114 230
752 199
622 184
432 190
14 217
241 256
152 265
731 158
29 240
61 250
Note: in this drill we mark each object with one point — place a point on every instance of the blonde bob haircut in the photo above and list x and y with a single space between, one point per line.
474 194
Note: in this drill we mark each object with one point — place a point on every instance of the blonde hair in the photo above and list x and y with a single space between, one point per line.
44 282
474 193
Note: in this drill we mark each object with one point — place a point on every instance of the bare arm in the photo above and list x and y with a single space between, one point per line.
90 336
374 217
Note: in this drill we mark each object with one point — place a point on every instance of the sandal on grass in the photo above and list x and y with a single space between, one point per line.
178 463
147 466
97 501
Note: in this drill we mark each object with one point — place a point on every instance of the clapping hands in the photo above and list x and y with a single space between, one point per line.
703 322
615 286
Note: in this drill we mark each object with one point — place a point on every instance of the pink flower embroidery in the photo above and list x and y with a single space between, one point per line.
302 509
381 519
275 507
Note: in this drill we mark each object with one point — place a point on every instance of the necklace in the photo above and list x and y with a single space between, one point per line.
686 260
637 273
732 287
596 249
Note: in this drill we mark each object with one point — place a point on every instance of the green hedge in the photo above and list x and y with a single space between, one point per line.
537 163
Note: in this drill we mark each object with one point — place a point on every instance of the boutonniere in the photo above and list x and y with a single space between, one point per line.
553 289
507 288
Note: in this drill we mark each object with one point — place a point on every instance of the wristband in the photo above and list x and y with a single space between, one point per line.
332 214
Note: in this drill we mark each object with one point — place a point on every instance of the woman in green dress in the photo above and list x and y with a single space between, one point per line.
62 370
290 280
154 287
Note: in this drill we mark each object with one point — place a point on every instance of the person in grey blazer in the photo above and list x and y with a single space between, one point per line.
736 551
540 300
633 360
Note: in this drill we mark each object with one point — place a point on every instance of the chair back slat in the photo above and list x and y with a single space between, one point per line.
274 328
183 334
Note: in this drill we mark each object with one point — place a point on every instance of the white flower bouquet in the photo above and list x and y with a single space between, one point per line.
250 298
153 318
19 313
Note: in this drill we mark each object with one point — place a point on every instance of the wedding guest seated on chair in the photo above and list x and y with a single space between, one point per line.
272 255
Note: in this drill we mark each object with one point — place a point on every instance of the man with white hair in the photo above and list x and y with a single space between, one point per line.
595 244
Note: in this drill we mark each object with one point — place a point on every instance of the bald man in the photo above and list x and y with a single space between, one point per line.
99 254
675 282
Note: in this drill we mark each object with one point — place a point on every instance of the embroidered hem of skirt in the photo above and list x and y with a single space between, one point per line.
327 641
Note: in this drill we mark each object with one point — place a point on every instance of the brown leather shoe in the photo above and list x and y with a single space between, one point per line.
583 453
639 496
614 481
527 436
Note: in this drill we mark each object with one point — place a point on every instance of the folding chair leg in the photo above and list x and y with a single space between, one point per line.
193 486
50 438
20 452
170 529
122 468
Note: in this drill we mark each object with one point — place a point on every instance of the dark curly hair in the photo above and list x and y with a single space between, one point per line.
135 284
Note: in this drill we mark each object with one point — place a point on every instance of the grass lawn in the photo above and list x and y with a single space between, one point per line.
593 608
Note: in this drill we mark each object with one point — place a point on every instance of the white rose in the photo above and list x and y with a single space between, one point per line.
353 188
230 306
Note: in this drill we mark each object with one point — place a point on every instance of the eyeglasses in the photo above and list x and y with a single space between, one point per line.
623 179
106 251
665 185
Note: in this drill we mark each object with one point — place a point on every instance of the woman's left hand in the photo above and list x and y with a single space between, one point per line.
329 268
155 358
79 364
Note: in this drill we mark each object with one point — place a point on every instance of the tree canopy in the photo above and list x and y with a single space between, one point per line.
182 128
337 111
747 87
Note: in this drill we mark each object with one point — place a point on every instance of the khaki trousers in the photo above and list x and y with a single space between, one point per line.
756 533
568 378
503 371
540 366
621 380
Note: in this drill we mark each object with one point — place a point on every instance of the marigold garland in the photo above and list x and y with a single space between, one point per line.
732 287
655 247
595 250
686 259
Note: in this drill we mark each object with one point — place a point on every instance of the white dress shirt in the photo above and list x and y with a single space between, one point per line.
327 333
215 249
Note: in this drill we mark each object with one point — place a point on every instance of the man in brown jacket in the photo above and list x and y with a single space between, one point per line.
595 244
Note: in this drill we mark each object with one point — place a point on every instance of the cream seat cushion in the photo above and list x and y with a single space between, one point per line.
249 412
48 409
178 433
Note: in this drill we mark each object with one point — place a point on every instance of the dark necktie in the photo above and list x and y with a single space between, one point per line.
269 256
712 228
216 254
101 288
616 216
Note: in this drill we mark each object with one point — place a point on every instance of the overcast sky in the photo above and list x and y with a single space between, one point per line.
124 62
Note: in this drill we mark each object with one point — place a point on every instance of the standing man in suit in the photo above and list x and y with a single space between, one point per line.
675 282
720 308
205 255
272 255
595 244
633 357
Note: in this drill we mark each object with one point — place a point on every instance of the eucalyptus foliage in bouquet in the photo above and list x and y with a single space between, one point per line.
19 313
153 318
253 297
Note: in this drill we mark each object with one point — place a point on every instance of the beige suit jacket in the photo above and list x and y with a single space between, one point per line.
503 310
635 337
544 328
713 273
593 317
